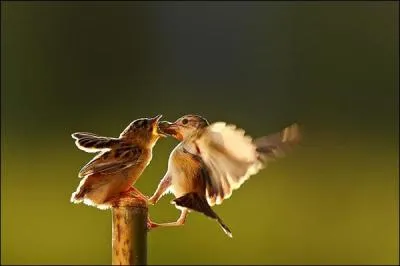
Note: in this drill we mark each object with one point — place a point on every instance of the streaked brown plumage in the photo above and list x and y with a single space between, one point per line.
213 160
110 175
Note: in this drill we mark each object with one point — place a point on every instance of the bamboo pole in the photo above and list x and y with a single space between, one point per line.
129 233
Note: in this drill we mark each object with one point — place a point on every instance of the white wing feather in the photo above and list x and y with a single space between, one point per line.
231 158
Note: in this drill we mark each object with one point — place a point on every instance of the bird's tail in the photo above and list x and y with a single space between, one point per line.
78 195
198 203
278 144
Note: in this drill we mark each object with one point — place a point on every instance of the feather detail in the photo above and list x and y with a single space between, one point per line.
277 145
91 143
112 161
230 157
198 203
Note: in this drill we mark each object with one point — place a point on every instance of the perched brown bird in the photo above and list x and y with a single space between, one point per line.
110 175
213 160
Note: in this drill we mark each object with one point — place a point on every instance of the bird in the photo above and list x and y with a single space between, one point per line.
211 161
108 179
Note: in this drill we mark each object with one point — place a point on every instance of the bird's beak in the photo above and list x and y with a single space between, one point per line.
171 129
154 123
155 119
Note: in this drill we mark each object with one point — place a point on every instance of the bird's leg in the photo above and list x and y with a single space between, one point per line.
125 198
181 221
164 184
136 193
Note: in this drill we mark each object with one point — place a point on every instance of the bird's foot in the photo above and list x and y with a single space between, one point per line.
151 200
181 221
151 225
135 193
128 198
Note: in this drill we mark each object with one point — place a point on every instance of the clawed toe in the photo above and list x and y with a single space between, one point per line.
150 201
151 225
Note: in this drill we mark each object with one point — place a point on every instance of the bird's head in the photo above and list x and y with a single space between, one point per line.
183 127
143 130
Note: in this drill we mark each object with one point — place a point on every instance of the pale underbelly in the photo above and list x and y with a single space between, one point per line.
111 186
181 184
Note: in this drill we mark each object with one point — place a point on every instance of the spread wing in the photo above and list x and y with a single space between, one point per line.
277 145
232 157
112 161
90 142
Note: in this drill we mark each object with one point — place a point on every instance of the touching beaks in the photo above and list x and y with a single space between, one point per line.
162 127
170 129
155 124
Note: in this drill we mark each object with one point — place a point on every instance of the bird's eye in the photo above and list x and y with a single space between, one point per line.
185 121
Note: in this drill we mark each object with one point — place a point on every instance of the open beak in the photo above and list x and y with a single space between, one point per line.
168 128
154 123
155 119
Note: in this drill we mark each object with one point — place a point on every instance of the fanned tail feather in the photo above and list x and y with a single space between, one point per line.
195 202
79 195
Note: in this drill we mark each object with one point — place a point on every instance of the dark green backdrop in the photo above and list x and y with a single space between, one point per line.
96 66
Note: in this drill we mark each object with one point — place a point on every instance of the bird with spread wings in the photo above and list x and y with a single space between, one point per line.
212 160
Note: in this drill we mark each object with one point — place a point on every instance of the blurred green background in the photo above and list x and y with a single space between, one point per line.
96 66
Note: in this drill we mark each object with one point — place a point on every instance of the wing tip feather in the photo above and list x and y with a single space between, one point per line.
292 133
